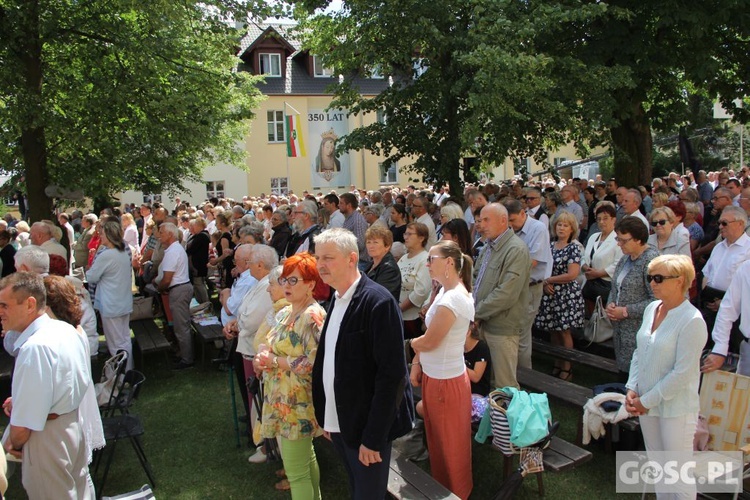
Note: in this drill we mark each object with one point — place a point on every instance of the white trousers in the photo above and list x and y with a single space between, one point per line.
117 335
670 434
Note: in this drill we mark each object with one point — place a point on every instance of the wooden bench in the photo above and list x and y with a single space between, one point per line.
406 480
206 334
570 394
575 356
148 337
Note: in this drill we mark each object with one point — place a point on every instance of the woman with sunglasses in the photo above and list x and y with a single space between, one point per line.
665 239
286 359
630 292
665 369
440 368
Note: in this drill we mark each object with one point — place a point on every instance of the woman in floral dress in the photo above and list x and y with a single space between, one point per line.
286 359
562 304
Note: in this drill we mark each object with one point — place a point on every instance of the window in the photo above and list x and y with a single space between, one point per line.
151 198
381 116
270 64
388 173
320 70
276 126
419 67
214 189
279 186
522 165
376 73
559 160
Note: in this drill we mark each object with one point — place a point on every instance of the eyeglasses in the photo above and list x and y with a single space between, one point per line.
409 233
291 281
719 197
622 241
527 198
659 278
603 218
431 258
661 222
725 223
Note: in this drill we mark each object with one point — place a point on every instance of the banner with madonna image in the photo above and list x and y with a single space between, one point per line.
328 170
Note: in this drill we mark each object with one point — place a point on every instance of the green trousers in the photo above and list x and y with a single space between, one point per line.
301 468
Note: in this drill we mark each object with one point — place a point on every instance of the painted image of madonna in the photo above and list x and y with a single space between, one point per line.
326 163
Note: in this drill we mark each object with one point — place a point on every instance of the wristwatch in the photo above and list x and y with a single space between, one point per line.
275 362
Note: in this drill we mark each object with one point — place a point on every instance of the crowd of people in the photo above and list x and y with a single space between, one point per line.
341 303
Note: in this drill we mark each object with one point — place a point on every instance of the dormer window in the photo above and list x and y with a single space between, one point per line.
321 71
270 64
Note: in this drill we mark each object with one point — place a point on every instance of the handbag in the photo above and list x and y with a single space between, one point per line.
109 383
499 401
142 308
598 328
529 417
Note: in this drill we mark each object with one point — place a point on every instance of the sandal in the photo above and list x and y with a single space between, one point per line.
283 485
566 375
281 474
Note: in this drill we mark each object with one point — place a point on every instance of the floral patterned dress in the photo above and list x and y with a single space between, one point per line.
563 309
287 403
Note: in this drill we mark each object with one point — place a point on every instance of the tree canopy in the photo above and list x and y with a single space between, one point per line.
499 78
108 96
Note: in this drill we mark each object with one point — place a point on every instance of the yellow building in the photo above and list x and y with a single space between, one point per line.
297 87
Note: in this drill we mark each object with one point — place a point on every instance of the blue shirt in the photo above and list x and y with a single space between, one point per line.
536 237
243 284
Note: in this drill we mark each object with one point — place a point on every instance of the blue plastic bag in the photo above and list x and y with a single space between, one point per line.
528 416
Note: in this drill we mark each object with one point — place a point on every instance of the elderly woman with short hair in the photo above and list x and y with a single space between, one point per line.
416 283
665 368
112 273
630 292
665 239
692 212
383 270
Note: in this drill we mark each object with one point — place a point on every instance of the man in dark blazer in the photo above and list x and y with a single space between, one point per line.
361 388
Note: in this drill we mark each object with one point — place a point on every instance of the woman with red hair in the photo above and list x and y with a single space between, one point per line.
285 358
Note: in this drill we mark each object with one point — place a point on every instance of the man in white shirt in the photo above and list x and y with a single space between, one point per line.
64 220
726 258
331 205
50 378
534 208
735 188
173 280
146 216
361 389
631 201
419 212
41 235
735 305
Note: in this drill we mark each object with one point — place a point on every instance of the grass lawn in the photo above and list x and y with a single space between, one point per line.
191 445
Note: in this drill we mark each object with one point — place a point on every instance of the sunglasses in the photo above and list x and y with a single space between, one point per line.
659 278
292 281
725 223
432 258
662 222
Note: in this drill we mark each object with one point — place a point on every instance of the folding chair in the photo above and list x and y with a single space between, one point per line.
114 371
124 426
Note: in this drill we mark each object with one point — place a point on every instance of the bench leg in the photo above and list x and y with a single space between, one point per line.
540 483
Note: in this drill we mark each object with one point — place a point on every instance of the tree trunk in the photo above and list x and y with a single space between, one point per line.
632 146
33 143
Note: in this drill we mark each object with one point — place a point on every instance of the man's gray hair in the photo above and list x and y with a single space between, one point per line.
265 255
45 227
344 240
637 195
739 213
310 208
34 258
90 218
376 197
172 229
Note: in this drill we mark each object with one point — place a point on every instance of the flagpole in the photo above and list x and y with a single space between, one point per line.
286 154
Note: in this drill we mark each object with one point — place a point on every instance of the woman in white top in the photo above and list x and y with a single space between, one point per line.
665 239
130 231
665 369
439 367
600 257
415 278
